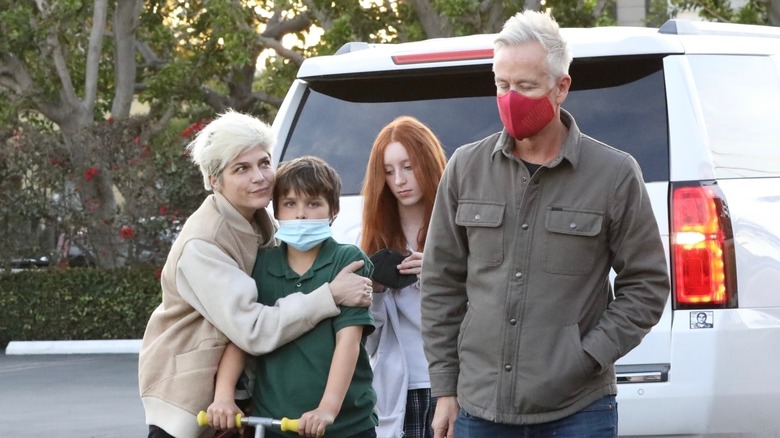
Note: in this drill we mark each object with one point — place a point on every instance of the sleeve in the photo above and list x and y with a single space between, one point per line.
378 310
212 283
443 285
639 261
350 316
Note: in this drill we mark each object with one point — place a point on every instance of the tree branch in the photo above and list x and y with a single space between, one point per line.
276 29
214 100
151 59
268 98
126 20
162 123
710 11
14 76
277 46
322 18
61 67
99 14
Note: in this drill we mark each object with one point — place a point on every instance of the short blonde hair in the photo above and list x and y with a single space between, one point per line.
225 138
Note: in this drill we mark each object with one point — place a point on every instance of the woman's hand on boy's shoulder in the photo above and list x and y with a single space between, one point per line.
350 289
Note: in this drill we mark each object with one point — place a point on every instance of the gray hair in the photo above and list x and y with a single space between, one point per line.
225 138
528 26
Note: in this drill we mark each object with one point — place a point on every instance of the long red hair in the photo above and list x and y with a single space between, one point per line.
381 220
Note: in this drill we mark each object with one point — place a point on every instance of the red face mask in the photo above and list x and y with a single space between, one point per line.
524 117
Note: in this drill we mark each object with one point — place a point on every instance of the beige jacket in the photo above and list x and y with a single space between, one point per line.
208 300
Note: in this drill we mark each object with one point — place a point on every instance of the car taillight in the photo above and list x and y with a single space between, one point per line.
702 247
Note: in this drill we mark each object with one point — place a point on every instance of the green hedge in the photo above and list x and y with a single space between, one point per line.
77 303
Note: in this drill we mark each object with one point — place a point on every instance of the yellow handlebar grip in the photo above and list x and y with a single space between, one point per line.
289 425
203 419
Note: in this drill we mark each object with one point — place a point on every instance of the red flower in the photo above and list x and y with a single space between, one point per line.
194 128
158 273
90 173
126 232
110 119
163 210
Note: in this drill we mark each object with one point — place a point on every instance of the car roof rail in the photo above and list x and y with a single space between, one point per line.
353 46
691 27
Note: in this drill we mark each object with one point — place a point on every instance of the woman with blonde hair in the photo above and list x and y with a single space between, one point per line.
403 172
209 300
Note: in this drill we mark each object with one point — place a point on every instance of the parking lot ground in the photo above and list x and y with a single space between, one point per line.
70 396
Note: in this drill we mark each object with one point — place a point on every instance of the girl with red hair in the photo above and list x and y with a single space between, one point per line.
403 172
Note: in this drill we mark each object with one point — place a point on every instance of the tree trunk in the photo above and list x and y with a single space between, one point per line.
774 12
434 24
94 190
127 16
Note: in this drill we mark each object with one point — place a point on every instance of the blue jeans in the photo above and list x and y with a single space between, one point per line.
598 420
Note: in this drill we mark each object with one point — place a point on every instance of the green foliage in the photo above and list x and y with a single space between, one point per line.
75 304
753 12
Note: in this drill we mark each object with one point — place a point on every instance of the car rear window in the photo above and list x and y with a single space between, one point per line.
620 101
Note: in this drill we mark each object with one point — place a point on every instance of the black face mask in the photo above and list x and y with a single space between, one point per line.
386 263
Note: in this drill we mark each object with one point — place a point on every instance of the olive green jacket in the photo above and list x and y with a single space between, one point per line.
515 288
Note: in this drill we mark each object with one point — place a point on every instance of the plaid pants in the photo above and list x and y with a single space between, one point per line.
420 407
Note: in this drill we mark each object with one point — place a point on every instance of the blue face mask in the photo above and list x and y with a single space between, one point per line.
304 234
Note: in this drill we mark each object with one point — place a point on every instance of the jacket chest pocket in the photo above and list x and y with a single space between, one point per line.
483 221
571 240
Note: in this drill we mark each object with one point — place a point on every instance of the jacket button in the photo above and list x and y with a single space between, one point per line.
512 321
524 226
518 275
508 367
572 225
477 217
297 285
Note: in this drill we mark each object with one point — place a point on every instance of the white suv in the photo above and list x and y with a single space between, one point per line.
698 105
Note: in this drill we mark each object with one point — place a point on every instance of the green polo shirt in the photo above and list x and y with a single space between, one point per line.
292 379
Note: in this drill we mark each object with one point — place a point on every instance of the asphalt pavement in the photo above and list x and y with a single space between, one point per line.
70 396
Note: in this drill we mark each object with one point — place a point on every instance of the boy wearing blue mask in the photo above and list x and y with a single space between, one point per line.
323 377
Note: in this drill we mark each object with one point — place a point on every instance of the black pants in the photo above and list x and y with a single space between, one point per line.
156 432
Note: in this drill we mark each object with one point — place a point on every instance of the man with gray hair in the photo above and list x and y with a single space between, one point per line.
521 326
209 298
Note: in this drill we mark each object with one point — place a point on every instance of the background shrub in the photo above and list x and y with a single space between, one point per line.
77 303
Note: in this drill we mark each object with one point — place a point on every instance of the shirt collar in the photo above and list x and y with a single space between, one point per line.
279 267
